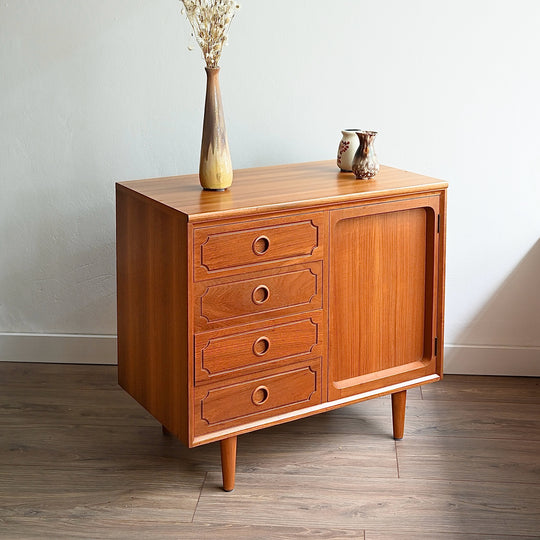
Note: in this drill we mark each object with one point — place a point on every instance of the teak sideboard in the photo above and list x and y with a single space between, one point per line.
296 291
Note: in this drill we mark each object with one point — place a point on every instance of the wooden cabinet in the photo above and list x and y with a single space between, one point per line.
297 291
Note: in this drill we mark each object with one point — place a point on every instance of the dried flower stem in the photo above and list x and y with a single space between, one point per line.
210 20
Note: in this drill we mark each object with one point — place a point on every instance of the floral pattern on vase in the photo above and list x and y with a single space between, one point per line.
346 150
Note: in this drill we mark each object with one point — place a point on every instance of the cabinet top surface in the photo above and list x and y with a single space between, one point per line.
280 187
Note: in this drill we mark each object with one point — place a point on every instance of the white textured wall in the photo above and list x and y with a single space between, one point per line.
94 91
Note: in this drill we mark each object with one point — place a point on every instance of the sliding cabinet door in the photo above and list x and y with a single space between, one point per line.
384 262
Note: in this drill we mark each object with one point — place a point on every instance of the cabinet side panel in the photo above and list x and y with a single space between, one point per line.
441 278
152 309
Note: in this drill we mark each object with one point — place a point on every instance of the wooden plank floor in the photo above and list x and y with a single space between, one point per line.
79 458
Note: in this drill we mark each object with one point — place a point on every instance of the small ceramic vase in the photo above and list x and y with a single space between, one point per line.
365 163
346 150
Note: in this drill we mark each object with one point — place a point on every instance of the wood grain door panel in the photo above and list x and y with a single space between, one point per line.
382 293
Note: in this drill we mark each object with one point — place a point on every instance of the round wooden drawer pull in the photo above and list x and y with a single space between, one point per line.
261 245
261 346
260 294
260 395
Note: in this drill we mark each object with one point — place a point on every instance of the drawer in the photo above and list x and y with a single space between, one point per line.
222 250
258 296
223 354
221 407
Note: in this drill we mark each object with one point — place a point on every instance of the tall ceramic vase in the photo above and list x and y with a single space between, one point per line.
215 167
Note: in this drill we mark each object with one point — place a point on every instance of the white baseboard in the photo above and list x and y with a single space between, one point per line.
58 348
101 349
492 360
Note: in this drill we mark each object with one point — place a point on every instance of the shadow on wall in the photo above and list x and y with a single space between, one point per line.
507 328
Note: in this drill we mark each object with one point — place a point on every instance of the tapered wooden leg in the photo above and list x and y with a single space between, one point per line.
228 462
398 413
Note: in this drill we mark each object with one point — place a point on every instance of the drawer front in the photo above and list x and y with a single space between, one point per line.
221 355
220 407
287 291
224 249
